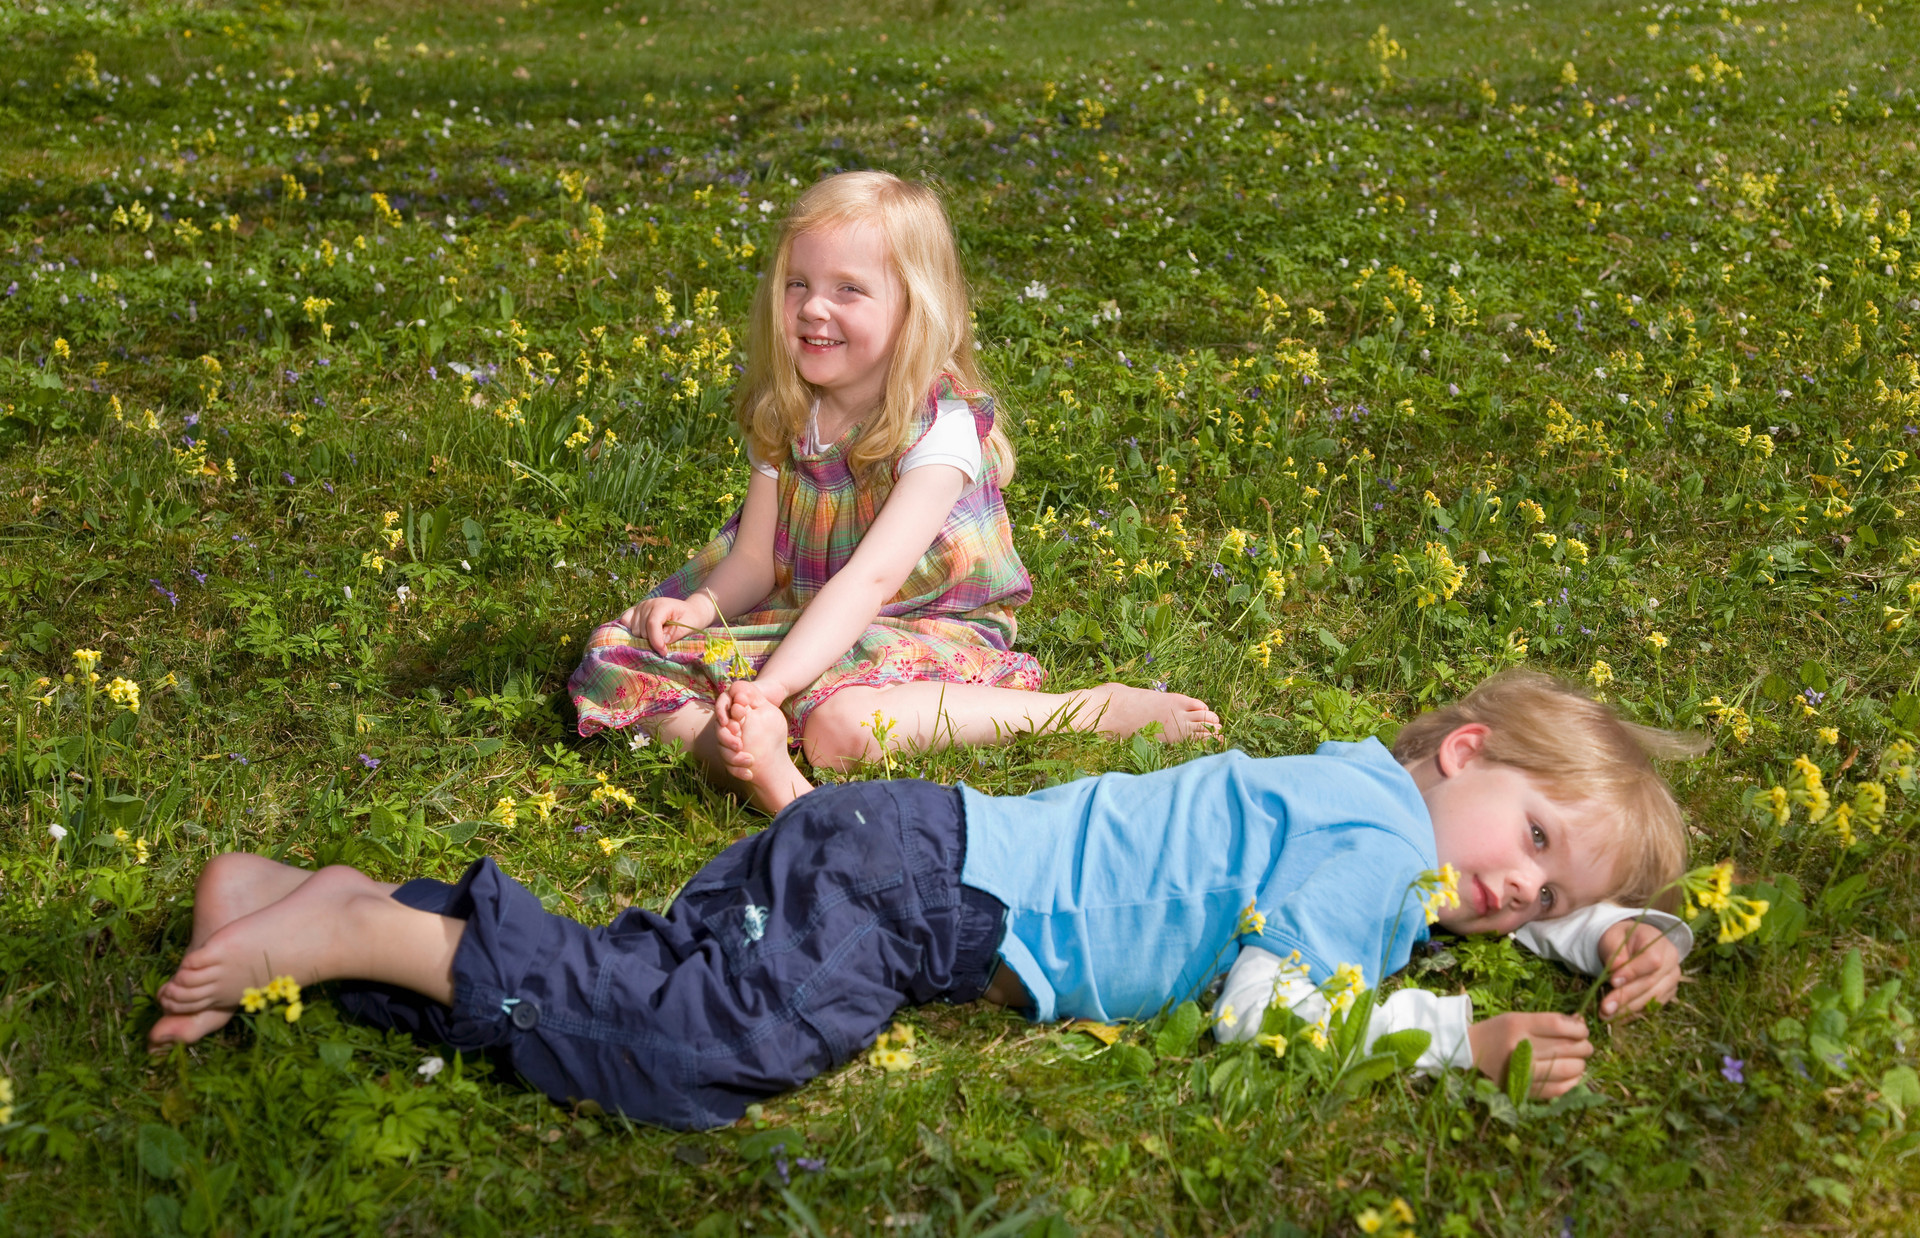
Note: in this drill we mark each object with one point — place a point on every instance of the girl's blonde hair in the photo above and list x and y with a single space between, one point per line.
1579 752
773 401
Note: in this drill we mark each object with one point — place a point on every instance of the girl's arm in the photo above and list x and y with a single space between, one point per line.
893 544
740 582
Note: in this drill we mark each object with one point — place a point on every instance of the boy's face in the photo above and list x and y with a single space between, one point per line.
1521 855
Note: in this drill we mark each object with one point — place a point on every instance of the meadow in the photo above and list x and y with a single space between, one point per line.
356 360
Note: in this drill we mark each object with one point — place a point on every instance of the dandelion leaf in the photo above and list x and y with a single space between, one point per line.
1853 980
163 1150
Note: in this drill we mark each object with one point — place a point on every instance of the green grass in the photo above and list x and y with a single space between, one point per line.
1550 272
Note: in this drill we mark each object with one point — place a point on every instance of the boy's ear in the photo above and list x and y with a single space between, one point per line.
1461 747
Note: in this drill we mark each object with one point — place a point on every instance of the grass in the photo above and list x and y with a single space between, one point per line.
1352 351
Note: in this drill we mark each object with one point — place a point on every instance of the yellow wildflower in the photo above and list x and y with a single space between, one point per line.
1274 1041
126 694
1657 639
1252 921
1600 674
503 811
86 659
1829 734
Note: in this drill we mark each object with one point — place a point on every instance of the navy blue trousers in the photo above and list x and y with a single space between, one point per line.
782 958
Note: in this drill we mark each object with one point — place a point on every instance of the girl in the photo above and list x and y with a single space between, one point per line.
869 579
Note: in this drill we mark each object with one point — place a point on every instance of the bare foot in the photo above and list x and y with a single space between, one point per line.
293 935
753 745
231 886
1119 710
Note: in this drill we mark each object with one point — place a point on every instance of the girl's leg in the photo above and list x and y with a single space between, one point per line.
337 924
926 715
768 783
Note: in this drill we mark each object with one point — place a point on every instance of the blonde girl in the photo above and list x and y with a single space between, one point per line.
871 568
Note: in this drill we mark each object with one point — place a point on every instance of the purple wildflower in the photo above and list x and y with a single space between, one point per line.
1732 1069
369 762
193 419
234 756
199 578
288 478
164 592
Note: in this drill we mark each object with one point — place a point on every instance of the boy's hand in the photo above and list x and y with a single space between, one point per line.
1643 966
1560 1049
665 620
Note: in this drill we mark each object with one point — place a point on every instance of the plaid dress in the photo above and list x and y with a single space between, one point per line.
951 621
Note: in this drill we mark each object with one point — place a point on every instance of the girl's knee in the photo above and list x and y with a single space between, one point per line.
833 738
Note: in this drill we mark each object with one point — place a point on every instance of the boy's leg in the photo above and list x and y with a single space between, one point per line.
338 924
925 715
770 787
232 885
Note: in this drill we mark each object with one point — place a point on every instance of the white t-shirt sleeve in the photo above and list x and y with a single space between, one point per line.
761 466
1260 978
1574 939
952 439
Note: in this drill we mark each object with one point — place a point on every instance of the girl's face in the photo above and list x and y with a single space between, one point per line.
843 312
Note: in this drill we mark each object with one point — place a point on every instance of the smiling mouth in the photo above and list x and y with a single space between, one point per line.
1482 897
818 342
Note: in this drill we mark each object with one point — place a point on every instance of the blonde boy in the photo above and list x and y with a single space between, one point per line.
1102 898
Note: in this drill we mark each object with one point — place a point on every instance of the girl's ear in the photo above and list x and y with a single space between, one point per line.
1462 746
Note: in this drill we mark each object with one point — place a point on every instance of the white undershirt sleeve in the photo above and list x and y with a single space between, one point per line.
1574 939
952 439
1257 981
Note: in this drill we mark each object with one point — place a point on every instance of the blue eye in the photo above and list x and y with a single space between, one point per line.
1539 835
1546 899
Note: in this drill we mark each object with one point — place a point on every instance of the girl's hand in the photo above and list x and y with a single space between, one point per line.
665 620
1560 1049
1643 965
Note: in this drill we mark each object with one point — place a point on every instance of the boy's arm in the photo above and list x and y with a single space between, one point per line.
1575 938
1560 1045
1260 978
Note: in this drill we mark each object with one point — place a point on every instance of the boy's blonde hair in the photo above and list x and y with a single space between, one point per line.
773 401
1580 752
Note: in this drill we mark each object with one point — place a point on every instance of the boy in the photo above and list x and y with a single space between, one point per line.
1103 898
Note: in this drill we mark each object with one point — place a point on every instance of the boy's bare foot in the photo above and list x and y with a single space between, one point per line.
233 885
294 935
1119 710
753 746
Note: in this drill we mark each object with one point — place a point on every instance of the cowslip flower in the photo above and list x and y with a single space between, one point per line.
1253 922
1274 1041
126 694
1441 889
86 659
1600 674
503 811
6 1100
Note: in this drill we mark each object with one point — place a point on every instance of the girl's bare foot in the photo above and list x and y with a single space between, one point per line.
1119 710
293 935
753 745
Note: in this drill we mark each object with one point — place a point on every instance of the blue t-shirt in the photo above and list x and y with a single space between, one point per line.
1124 892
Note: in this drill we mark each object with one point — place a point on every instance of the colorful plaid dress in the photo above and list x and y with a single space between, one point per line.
951 621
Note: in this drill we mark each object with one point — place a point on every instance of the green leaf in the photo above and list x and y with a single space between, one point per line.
163 1150
1406 1046
1176 1036
1813 675
1776 689
1853 980
1520 1073
1900 1088
1368 1071
1128 1061
458 832
1832 1054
